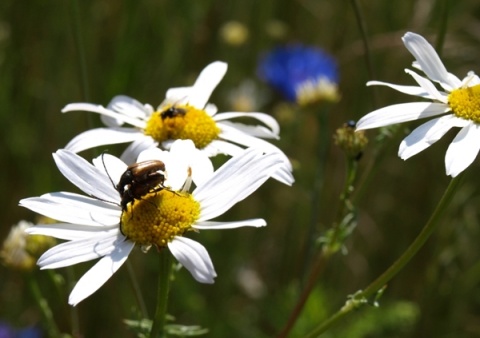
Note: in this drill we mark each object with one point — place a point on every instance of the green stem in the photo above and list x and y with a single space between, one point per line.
345 203
136 289
47 313
329 249
442 31
77 32
361 297
71 280
322 146
363 31
165 268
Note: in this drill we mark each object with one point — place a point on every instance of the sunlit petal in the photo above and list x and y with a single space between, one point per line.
209 225
463 150
94 278
429 61
402 112
427 134
194 257
206 82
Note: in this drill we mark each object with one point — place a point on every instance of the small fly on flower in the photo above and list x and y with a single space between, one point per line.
172 112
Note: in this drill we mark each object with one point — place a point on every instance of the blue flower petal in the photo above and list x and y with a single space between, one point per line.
289 67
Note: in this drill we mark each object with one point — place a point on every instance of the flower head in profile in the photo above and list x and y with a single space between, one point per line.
302 74
184 114
453 103
97 226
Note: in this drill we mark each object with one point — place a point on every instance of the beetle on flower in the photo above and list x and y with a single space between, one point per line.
96 226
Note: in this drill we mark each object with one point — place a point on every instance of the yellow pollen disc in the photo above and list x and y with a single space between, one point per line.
465 103
186 122
158 217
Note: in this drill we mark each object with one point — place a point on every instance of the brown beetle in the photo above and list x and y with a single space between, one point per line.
172 112
139 179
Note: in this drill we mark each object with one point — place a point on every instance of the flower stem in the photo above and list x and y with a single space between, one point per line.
52 328
77 32
318 181
329 249
165 268
442 31
377 285
74 315
363 31
136 289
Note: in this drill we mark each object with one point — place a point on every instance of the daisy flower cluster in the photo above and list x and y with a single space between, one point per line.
450 101
162 188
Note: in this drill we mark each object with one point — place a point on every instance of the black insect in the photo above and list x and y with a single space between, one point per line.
172 112
351 124
140 179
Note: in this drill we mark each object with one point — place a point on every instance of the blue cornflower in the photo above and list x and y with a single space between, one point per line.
303 74
7 331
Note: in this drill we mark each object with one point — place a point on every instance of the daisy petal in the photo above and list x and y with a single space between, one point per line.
102 136
194 257
252 130
409 90
463 150
233 135
85 176
68 231
111 166
130 154
104 112
427 134
234 181
206 82
94 278
74 208
82 250
128 106
178 95
222 147
402 112
429 61
269 121
428 86
209 225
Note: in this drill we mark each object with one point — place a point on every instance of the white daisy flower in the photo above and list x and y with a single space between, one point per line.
95 226
457 104
184 114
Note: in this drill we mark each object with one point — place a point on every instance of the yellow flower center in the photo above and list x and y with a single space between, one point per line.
465 103
158 217
184 123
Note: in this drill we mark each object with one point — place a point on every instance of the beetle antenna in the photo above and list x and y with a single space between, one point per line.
106 171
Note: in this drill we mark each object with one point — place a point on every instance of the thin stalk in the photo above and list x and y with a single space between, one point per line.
71 280
318 181
329 249
362 297
136 289
442 30
47 313
362 25
165 268
78 37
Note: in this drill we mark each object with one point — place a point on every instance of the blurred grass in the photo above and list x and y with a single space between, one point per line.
143 48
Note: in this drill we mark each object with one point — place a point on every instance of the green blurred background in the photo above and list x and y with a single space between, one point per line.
142 48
